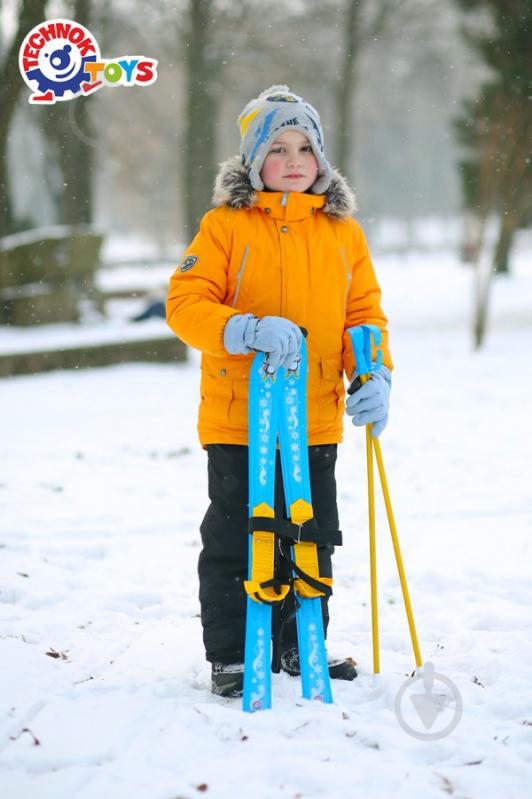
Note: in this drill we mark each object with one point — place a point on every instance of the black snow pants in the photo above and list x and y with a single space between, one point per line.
223 561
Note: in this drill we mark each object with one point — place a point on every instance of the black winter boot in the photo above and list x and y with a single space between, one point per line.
338 669
227 679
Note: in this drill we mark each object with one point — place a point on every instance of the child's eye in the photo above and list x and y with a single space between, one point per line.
306 148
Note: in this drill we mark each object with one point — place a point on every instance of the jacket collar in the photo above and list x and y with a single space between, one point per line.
290 205
233 188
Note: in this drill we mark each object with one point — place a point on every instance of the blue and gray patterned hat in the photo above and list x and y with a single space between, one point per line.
265 117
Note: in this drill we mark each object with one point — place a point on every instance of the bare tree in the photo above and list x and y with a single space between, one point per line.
364 21
345 93
31 12
502 181
66 126
201 63
496 129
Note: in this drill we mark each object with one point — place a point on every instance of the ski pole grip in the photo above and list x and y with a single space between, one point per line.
362 339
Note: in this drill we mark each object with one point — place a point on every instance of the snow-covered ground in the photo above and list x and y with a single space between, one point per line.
102 488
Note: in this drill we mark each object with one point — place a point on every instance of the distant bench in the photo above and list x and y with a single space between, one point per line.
46 275
159 348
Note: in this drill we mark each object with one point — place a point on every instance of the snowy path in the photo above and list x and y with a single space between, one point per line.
102 486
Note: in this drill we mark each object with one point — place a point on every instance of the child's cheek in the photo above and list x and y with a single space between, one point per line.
313 167
271 170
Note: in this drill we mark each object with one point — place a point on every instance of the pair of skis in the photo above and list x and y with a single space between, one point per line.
277 411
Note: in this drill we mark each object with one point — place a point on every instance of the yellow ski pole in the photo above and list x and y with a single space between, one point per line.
363 369
372 553
361 338
397 550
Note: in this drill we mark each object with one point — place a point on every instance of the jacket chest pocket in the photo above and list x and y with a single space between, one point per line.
254 284
241 277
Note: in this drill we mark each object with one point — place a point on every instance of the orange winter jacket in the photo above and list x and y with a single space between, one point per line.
300 256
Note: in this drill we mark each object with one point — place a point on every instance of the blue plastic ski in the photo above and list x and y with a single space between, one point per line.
263 418
277 406
296 480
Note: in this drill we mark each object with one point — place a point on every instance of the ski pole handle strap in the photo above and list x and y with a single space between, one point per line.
362 339
307 532
355 385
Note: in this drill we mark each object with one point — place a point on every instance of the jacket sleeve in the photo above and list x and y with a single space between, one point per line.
363 303
198 287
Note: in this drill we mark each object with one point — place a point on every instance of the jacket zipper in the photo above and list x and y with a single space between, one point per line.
241 272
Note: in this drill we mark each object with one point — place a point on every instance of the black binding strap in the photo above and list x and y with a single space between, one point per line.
307 532
319 586
274 583
289 608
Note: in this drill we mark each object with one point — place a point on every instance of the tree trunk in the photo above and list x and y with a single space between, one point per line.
509 225
79 163
470 245
201 108
345 95
11 85
484 271
484 274
66 127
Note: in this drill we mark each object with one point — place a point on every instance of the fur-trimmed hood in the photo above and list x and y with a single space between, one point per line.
233 188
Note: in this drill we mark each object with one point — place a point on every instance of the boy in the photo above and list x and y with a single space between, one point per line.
280 251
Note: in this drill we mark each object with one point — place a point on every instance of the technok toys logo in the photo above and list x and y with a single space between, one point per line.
60 60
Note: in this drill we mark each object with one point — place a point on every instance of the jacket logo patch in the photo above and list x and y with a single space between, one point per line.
188 263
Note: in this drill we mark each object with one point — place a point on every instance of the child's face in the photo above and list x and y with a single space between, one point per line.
290 164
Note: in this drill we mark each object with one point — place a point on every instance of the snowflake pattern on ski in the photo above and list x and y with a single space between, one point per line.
265 415
315 668
259 671
290 397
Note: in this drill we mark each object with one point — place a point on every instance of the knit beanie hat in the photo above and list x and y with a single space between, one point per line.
265 117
